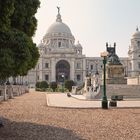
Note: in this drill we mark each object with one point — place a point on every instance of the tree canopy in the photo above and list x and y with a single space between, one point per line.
18 53
6 10
23 17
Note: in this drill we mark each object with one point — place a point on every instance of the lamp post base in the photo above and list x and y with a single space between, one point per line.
104 104
62 88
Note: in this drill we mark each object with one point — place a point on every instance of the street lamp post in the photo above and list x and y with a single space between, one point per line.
104 97
63 80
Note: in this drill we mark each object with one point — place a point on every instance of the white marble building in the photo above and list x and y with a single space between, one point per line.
134 54
59 55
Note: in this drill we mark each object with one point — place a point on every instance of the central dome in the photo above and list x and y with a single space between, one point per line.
59 27
59 31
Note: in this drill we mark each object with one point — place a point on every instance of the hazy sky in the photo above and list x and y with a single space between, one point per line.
93 22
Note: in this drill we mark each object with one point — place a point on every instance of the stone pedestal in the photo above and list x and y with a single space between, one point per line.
10 91
5 93
74 90
115 74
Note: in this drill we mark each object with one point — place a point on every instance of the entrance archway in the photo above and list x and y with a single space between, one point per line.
62 68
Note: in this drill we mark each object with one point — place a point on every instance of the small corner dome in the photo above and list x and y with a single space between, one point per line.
136 34
78 44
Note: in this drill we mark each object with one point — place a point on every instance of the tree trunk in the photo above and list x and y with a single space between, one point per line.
5 92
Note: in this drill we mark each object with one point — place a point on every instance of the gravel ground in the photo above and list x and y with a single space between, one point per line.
29 118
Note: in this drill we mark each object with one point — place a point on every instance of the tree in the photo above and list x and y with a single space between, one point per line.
44 85
6 10
17 55
37 85
25 53
53 85
23 17
17 26
69 84
5 56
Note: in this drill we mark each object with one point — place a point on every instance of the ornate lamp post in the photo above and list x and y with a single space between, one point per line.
87 71
104 97
96 68
63 80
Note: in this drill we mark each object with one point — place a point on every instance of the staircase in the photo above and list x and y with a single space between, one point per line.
128 91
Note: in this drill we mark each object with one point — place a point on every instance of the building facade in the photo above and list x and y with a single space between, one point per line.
61 58
134 54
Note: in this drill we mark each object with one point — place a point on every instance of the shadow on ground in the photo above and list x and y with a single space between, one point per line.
30 131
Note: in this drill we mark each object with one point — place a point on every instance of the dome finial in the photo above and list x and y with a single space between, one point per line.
58 8
58 15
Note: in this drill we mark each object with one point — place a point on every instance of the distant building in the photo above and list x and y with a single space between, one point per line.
134 54
60 56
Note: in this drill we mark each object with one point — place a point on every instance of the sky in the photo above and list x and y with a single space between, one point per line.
93 22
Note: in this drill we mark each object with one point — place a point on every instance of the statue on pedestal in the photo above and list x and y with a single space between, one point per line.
114 68
112 59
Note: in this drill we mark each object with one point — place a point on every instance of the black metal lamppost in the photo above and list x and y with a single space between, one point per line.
104 97
63 80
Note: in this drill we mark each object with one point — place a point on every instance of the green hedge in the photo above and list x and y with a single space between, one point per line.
53 86
41 89
69 84
42 86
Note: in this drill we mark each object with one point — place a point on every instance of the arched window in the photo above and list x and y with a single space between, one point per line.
59 44
78 77
91 67
46 65
46 77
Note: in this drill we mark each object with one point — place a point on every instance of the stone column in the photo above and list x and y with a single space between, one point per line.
84 69
41 69
53 70
10 91
5 92
72 70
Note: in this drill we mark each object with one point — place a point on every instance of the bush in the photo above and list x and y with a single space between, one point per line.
37 84
53 85
43 85
49 90
60 89
41 89
69 84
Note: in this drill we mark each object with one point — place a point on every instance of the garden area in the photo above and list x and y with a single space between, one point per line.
54 86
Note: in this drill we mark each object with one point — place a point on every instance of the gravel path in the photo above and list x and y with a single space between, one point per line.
29 118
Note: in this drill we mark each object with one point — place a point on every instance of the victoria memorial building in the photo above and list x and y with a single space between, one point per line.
61 57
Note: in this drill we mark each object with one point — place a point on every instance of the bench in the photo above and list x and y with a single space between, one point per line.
117 97
113 103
